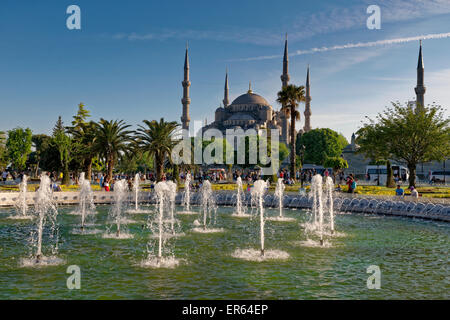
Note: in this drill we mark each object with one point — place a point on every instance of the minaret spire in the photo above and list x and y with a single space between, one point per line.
307 113
186 101
226 93
420 89
284 82
285 76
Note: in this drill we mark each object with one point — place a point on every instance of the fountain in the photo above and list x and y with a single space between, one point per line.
165 192
317 225
172 192
316 189
86 199
136 190
279 190
258 190
86 207
115 214
279 194
329 186
187 196
21 204
208 209
240 197
46 214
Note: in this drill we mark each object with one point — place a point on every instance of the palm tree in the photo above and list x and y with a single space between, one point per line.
290 97
111 140
157 138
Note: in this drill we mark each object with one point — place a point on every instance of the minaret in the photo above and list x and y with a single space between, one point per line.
186 101
285 76
307 112
420 88
285 81
226 91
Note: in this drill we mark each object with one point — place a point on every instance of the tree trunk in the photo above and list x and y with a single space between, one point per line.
88 168
292 128
159 169
66 175
37 169
176 174
390 183
412 174
110 169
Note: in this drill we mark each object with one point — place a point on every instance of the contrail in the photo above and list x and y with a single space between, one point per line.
357 45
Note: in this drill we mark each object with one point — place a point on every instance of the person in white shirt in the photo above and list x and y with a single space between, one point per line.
414 193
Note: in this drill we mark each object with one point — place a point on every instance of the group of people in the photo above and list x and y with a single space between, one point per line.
13 175
401 193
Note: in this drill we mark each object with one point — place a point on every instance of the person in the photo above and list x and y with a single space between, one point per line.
106 185
353 184
414 193
350 183
5 175
399 191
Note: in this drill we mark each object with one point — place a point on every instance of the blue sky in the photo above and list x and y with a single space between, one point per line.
127 60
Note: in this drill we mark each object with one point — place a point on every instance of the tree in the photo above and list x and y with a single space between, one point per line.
321 144
64 144
290 97
337 163
3 155
45 154
83 134
157 138
407 134
112 139
19 147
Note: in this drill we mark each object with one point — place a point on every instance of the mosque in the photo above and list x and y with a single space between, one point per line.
252 111
249 110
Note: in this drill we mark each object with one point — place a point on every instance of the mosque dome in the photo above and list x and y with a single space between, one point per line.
250 98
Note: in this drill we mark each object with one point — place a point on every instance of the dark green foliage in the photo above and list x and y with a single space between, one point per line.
321 144
407 134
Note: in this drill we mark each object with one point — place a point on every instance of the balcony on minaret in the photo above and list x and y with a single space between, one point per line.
285 78
186 100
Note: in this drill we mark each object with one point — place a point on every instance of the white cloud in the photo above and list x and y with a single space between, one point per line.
356 45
